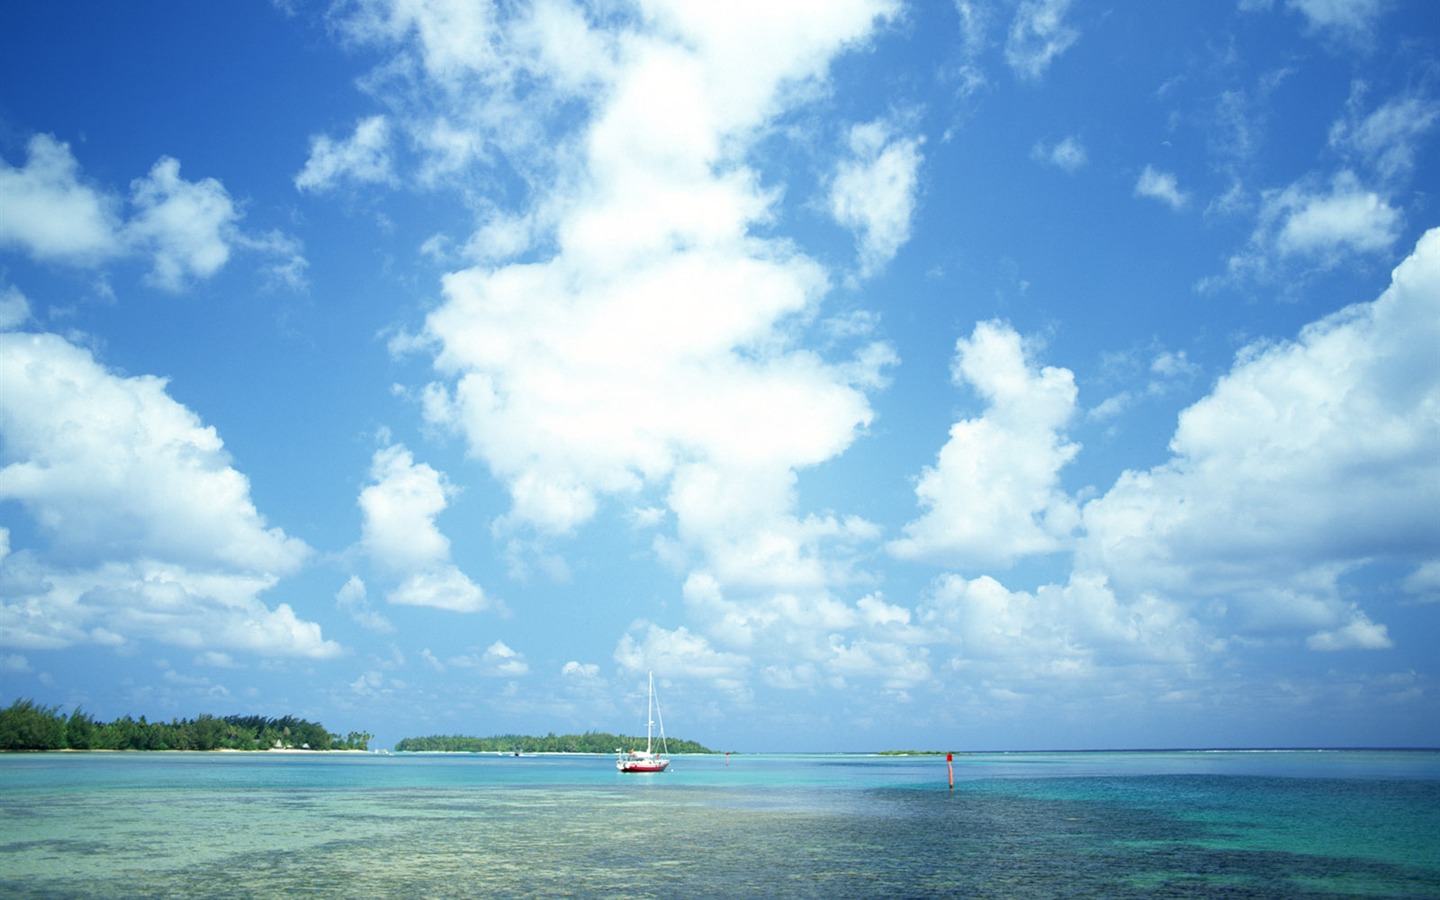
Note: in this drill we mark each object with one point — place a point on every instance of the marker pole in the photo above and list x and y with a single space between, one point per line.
950 767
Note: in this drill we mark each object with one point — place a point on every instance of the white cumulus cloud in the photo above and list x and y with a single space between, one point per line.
652 349
145 531
499 659
993 495
679 653
112 467
399 533
573 669
48 211
186 229
1307 224
399 510
1305 460
1347 217
441 587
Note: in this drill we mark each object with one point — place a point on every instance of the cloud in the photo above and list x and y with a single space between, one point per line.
287 254
631 332
399 511
1358 634
1310 459
505 82
14 663
398 532
899 667
653 345
353 600
809 637
1318 222
462 83
679 654
573 669
1386 137
974 24
14 308
993 495
1308 462
500 660
1349 217
1067 154
741 521
1165 371
186 229
496 661
1059 632
441 587
363 158
873 193
454 38
144 530
1161 186
46 210
370 685
1351 18
111 467
572 380
184 226
1237 123
1038 34
1424 582
1305 224
1170 365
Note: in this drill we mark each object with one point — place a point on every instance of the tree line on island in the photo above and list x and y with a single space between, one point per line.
26 725
589 742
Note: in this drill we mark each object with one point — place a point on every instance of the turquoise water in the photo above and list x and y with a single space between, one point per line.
1171 824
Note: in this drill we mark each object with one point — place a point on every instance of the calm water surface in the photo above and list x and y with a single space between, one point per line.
1172 824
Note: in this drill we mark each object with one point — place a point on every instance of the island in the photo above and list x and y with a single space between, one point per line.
28 726
589 742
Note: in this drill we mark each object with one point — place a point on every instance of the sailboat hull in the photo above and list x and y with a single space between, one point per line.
646 761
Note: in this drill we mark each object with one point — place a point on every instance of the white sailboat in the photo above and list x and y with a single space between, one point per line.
641 761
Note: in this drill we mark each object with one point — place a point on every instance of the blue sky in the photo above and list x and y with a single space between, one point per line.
981 374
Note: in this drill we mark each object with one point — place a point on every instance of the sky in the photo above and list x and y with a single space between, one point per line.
978 374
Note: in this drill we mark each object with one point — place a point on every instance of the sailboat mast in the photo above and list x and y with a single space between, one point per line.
660 715
650 712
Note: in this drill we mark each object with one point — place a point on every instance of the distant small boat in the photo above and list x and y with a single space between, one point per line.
642 761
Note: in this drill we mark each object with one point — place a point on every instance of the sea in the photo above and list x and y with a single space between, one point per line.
1228 823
